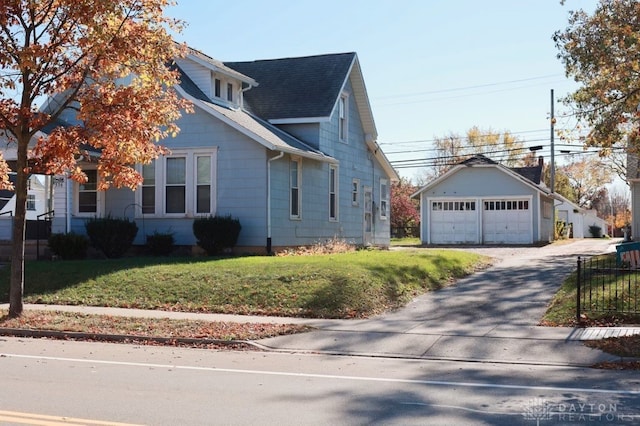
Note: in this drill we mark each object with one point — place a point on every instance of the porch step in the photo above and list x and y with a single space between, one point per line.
30 250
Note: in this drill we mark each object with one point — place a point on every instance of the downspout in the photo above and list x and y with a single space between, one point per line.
67 204
277 157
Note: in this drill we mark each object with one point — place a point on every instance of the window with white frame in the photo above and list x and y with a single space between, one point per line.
343 122
217 87
182 184
384 198
148 188
87 200
355 192
230 92
295 178
333 192
31 202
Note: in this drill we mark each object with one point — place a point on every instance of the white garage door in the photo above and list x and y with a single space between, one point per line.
506 222
454 222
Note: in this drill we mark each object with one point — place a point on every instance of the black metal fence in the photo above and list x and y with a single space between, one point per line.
605 286
404 232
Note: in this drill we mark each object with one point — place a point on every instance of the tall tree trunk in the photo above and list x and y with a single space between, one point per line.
16 283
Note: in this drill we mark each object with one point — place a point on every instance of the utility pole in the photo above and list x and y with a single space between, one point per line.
553 162
553 169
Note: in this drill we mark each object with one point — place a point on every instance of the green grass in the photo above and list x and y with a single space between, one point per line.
346 285
407 241
562 310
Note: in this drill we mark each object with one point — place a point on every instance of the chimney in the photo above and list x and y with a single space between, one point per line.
541 161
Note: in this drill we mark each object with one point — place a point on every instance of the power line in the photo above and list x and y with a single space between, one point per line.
457 89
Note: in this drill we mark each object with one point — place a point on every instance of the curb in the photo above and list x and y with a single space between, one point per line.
123 338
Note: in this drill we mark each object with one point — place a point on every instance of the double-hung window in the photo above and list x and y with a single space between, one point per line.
182 184
176 185
295 179
355 192
87 201
384 198
343 122
333 192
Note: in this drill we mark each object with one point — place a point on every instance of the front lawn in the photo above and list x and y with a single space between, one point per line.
346 285
609 292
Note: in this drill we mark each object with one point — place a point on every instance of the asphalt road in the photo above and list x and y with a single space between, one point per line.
51 382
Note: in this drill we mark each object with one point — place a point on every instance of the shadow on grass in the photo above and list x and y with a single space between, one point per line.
48 277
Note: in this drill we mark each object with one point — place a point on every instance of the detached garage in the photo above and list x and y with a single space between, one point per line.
482 202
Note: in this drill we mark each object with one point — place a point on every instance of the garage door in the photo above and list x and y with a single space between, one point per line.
506 222
454 222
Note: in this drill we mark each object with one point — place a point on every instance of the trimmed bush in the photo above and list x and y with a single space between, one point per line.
69 246
595 231
160 244
111 236
214 234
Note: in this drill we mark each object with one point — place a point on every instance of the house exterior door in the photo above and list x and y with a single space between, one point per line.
368 215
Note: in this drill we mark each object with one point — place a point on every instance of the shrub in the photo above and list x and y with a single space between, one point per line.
111 236
69 246
160 244
216 233
595 231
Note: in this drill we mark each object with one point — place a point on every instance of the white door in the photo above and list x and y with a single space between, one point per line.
507 222
453 222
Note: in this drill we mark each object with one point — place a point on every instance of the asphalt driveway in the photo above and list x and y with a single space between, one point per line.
491 315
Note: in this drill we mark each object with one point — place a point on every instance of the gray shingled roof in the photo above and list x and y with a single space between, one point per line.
305 87
534 173
258 127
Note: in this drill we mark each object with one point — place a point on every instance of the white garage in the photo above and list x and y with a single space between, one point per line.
480 201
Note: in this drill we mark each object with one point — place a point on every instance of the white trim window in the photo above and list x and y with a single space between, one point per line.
384 198
88 200
31 202
179 185
333 192
295 194
343 118
355 192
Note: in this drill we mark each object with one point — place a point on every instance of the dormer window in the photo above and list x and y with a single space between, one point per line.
230 92
216 87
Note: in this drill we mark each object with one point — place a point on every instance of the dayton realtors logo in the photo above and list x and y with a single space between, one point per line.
540 411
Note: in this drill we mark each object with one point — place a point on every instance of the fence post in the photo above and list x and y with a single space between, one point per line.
578 282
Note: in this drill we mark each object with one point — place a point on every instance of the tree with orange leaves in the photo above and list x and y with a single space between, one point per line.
108 61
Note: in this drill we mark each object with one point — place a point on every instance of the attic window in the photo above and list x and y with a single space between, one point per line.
216 87
343 123
230 92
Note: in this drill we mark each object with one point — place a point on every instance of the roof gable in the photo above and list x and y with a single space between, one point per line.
531 176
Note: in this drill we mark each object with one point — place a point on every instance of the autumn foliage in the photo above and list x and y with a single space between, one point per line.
104 67
404 209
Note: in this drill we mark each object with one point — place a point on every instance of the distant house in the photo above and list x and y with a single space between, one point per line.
288 146
480 201
579 219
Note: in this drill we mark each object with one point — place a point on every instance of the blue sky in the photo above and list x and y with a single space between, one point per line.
431 67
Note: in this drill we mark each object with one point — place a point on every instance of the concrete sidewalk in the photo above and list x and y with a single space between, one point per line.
409 339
